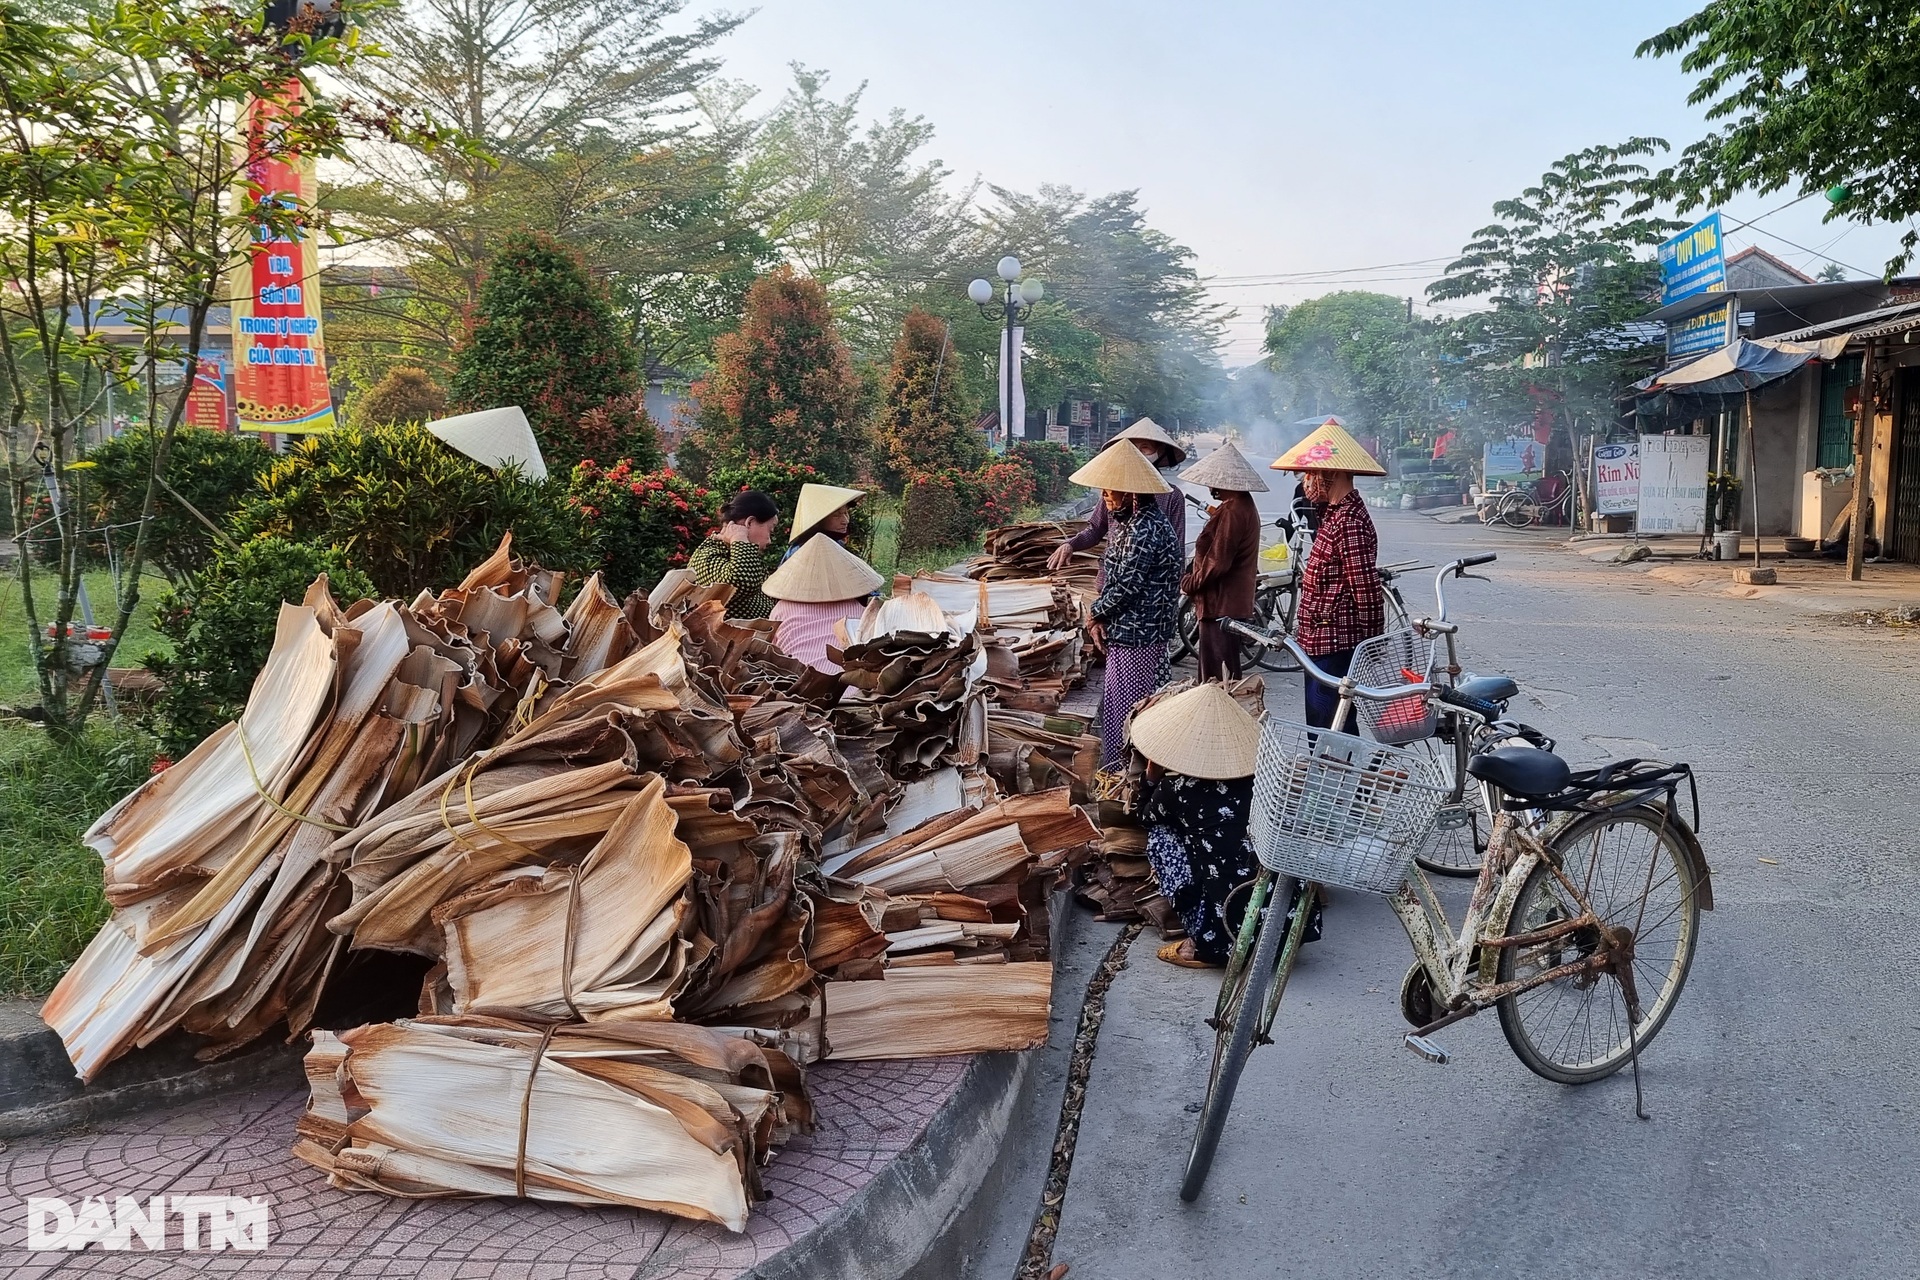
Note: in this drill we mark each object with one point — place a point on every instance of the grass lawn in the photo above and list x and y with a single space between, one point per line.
886 558
17 683
50 898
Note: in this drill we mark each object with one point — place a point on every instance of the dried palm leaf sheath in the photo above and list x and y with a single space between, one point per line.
475 1106
926 1012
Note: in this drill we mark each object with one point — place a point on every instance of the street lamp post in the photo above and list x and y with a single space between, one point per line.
1018 303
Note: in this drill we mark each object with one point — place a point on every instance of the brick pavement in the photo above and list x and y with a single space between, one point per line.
868 1113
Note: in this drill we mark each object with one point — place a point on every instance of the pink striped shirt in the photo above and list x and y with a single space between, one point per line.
807 629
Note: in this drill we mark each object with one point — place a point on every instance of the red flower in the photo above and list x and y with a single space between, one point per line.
160 765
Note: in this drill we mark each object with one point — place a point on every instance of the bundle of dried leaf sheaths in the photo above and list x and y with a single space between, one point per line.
647 867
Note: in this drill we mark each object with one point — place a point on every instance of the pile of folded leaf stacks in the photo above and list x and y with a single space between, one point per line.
1117 879
599 834
1032 630
1022 551
915 692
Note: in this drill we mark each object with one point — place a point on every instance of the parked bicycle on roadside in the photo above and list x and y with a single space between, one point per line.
1580 931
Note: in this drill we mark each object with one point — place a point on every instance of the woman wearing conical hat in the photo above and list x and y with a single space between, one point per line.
1341 602
822 509
1200 747
822 585
1147 436
1226 557
1134 616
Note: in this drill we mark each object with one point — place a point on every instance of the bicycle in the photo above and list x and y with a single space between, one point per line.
1556 912
1521 509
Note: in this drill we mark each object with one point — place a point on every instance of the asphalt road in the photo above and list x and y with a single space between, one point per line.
1783 1140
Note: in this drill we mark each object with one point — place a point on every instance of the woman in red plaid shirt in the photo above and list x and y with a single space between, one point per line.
1341 602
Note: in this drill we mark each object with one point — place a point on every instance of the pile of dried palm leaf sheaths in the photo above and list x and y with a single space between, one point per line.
1114 876
649 867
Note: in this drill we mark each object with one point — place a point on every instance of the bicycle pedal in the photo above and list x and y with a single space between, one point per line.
1427 1049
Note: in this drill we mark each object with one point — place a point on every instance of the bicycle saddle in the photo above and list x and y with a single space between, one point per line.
1521 771
1489 688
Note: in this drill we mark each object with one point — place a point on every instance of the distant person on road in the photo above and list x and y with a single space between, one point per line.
1147 436
737 553
1134 616
1200 747
1341 602
1226 558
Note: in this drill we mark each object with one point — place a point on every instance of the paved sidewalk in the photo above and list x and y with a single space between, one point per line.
869 1113
1808 586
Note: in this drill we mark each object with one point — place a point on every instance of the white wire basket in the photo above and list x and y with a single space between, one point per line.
1340 810
1399 657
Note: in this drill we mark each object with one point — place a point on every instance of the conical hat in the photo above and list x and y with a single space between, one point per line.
822 571
1226 468
494 438
1329 448
1202 733
1121 467
1148 429
817 502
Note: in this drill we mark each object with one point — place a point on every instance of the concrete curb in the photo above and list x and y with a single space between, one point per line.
39 1092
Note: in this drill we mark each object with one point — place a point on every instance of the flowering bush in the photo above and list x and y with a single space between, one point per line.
940 509
1050 464
1006 489
640 523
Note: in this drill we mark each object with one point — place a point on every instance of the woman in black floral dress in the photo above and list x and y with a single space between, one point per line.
1200 745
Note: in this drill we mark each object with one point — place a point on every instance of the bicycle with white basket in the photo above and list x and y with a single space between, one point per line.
1580 930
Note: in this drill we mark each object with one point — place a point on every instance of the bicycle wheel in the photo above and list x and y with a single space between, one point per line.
1186 633
1521 514
1277 605
1634 868
1457 844
1240 1020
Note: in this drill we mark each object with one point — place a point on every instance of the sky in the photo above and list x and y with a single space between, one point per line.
1297 148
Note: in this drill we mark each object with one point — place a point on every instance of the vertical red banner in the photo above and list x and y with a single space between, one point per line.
279 355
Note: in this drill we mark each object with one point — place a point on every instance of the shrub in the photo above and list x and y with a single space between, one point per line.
783 385
924 422
408 511
213 470
641 523
1006 489
1050 464
939 509
221 622
403 395
620 428
545 338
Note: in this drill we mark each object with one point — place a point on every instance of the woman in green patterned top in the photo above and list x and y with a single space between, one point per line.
737 554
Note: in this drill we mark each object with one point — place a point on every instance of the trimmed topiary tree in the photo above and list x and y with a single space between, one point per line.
545 338
924 423
783 386
403 395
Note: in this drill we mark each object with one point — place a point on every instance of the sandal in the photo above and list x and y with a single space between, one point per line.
1171 954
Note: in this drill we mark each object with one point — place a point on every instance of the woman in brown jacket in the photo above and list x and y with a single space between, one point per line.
1226 557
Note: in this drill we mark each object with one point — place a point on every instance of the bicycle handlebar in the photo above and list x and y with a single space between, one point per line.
1461 566
1488 711
1247 631
1456 568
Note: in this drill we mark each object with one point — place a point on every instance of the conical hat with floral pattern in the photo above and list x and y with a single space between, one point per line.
1329 448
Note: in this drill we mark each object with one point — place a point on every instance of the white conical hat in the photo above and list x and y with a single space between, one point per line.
1122 468
1148 429
821 571
817 502
494 438
1226 468
1202 733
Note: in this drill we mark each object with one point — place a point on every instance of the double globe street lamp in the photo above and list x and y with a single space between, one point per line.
1018 302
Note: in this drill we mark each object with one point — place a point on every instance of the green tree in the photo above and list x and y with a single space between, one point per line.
405 394
544 338
1809 93
1565 269
783 386
210 474
925 421
117 171
593 133
1359 355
